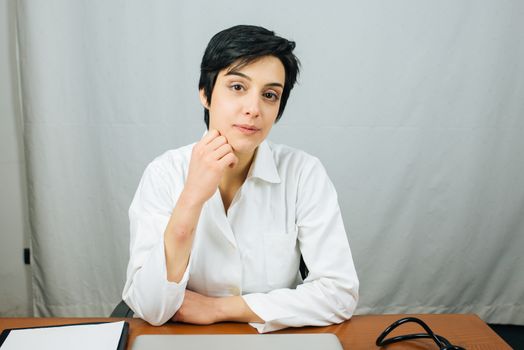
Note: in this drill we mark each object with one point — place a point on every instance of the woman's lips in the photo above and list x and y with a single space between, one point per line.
246 129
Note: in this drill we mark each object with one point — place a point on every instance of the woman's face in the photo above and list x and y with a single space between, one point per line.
245 103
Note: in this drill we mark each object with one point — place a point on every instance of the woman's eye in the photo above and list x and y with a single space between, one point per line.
271 96
237 87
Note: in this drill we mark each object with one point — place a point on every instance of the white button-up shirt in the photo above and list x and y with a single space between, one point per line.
287 207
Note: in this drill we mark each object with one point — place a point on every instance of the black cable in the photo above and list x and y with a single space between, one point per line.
441 342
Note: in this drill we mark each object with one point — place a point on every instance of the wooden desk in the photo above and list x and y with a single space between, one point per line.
360 332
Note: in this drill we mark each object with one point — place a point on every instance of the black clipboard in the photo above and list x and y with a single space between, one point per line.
121 343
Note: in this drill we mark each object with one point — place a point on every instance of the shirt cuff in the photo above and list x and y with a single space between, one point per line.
154 298
158 259
273 315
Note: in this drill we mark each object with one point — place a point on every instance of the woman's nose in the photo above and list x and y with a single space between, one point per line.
252 105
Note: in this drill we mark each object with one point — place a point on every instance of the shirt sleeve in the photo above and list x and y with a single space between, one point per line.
147 291
329 294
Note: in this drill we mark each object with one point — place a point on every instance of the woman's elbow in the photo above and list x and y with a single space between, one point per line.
152 313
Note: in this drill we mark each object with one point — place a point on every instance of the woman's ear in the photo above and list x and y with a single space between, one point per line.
203 98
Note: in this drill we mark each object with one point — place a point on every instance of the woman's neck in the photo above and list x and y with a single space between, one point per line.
233 179
237 175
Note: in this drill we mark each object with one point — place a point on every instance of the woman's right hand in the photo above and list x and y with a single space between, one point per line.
209 159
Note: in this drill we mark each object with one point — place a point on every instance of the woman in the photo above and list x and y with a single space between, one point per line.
218 227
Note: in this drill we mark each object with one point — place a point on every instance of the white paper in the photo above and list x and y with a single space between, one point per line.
104 336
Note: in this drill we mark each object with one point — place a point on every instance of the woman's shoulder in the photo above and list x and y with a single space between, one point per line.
173 159
287 155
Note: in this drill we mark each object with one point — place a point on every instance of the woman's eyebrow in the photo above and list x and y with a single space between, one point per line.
248 78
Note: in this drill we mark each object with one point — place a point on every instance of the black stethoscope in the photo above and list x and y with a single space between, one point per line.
441 342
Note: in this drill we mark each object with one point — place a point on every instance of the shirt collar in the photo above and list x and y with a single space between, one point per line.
264 166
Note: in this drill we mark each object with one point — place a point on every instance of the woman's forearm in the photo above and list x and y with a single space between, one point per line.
235 309
179 234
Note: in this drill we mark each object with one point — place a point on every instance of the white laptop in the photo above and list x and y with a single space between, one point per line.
314 341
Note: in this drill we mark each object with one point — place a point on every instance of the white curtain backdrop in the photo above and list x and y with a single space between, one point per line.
416 108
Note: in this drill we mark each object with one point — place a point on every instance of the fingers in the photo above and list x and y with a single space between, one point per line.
210 136
219 149
225 156
217 142
229 160
222 151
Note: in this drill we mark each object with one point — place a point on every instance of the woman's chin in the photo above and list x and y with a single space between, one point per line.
243 148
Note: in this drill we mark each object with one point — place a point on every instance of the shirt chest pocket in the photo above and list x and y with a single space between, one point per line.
281 258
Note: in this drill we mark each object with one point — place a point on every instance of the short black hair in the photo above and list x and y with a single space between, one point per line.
241 45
